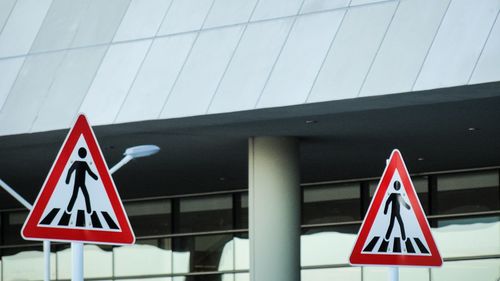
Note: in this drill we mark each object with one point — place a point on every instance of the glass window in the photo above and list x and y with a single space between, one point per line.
241 251
158 254
205 214
327 245
208 277
487 269
150 217
421 185
98 261
241 211
331 203
405 273
24 263
327 274
451 234
12 224
468 192
203 253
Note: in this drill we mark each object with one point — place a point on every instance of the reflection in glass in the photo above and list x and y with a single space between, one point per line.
328 274
481 233
487 269
203 253
150 218
328 245
98 261
405 273
24 263
468 192
205 214
241 251
331 203
241 211
146 257
12 224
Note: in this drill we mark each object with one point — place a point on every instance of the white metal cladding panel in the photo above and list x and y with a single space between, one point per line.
320 5
227 12
29 91
6 7
488 66
458 44
113 80
9 69
142 20
185 15
249 69
100 22
352 52
60 25
202 72
269 9
22 26
156 78
300 60
71 83
405 46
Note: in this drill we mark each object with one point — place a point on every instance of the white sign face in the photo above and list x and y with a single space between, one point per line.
79 199
396 229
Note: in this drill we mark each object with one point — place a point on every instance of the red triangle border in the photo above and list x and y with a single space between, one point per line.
358 258
31 230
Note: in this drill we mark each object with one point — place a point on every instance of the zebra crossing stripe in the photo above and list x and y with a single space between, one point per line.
64 221
372 244
396 247
409 246
109 220
50 216
421 246
95 220
383 246
80 218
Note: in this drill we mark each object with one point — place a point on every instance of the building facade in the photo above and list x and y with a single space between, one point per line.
274 119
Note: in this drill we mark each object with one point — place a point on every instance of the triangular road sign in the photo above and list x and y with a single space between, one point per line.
395 230
79 201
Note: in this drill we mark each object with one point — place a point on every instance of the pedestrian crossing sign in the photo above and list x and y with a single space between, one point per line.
395 230
79 201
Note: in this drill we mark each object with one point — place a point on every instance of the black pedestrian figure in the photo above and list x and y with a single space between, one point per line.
80 168
396 200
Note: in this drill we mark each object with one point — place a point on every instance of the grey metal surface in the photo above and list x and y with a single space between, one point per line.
155 78
300 59
457 46
115 76
22 26
245 55
142 20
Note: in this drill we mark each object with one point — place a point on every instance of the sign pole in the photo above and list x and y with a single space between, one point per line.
77 261
393 273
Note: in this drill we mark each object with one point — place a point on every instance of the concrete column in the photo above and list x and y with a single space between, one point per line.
274 209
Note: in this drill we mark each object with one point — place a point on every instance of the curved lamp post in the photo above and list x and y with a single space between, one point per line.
129 154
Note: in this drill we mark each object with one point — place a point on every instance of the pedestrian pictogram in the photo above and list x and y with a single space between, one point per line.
395 230
79 201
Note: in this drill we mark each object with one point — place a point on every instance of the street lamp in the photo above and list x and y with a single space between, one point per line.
129 154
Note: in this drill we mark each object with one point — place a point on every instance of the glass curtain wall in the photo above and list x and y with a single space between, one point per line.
190 238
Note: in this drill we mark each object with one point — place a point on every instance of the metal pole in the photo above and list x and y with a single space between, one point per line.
76 261
46 244
14 194
394 274
120 164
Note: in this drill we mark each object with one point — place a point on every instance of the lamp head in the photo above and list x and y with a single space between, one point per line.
141 151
